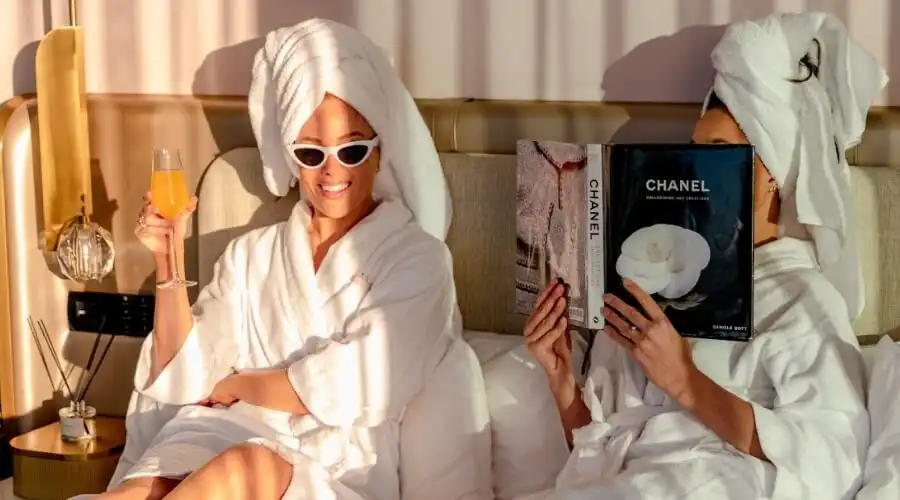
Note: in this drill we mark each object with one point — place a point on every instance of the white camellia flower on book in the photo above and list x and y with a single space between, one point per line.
664 259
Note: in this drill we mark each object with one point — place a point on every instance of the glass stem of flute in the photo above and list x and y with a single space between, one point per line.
174 273
175 278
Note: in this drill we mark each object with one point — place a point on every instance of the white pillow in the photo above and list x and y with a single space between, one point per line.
489 345
445 436
882 476
528 441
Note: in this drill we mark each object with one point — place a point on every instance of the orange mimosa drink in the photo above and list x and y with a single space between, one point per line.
169 191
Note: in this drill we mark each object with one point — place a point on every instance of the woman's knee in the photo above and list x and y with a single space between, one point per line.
249 458
142 488
247 452
258 470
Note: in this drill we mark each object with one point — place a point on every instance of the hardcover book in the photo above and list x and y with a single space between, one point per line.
675 219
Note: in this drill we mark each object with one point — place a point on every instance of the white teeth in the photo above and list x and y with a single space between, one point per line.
336 188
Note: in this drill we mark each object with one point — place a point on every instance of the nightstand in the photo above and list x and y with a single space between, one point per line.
47 468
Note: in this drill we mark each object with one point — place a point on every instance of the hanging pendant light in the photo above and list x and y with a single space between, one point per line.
84 250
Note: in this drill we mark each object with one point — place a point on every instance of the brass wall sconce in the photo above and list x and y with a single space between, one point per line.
84 250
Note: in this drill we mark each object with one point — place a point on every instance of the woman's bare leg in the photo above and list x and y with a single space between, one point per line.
141 488
243 472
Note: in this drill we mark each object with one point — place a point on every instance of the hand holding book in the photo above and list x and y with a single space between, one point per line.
546 333
649 337
547 337
665 358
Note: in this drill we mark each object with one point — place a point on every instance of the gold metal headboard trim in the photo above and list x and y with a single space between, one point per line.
455 130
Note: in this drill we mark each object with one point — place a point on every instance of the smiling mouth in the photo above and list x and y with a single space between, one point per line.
334 190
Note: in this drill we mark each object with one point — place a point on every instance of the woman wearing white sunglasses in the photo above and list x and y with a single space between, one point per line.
325 358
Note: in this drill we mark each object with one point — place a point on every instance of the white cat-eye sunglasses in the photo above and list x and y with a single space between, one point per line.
350 154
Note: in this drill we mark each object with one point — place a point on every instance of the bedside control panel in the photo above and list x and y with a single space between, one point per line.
111 313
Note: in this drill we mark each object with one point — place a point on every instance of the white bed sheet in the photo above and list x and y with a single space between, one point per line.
487 346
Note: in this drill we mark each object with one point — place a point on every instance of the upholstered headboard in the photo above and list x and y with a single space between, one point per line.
476 139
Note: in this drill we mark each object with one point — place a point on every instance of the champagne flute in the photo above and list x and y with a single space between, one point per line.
170 197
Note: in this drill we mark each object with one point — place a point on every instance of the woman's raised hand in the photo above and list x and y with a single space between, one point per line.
651 340
152 229
546 333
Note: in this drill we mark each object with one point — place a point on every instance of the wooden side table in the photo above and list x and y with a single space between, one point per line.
47 468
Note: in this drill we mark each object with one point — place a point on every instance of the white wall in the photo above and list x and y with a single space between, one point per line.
652 50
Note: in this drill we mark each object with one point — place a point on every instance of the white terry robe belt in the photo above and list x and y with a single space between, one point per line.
599 449
801 131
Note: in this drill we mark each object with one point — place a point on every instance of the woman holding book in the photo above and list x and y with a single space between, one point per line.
781 416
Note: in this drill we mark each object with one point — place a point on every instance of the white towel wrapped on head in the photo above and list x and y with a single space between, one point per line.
292 73
801 130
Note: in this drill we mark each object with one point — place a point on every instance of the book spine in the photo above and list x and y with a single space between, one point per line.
594 239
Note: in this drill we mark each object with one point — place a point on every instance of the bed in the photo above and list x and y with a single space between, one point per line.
476 140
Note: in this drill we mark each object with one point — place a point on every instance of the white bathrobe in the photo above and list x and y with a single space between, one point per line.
360 339
882 479
372 341
802 374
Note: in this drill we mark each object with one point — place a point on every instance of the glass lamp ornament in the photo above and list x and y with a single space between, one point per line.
85 250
